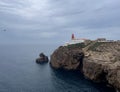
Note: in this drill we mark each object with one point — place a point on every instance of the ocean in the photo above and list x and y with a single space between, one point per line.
20 73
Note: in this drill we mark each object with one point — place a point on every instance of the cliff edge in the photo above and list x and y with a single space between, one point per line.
98 61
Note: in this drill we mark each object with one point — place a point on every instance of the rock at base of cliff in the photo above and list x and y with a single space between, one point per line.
42 59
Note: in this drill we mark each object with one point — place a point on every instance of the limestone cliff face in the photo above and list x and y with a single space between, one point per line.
99 61
103 63
66 58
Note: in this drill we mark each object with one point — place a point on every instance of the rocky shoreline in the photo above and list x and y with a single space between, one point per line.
99 62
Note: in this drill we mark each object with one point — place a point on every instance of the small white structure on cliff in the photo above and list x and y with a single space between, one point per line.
104 40
75 41
101 40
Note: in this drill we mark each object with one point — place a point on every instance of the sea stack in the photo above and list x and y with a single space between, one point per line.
42 59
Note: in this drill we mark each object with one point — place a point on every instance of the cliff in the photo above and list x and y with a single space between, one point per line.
98 61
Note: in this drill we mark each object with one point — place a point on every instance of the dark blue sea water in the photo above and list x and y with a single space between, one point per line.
20 73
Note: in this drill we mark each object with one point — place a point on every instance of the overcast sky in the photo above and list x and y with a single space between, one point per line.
53 21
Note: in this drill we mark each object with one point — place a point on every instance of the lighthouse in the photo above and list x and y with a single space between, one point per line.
72 37
75 40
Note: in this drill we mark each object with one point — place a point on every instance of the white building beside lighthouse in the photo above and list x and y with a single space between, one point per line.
75 41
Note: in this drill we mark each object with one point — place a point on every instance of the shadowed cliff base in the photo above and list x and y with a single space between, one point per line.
74 76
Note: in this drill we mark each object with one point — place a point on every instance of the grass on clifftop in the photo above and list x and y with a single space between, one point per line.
94 46
78 45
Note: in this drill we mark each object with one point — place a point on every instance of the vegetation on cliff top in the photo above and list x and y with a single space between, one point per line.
78 45
94 46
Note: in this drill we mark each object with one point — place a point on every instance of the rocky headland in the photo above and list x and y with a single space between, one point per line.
98 61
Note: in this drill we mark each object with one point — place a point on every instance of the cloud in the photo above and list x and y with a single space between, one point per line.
25 8
56 20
